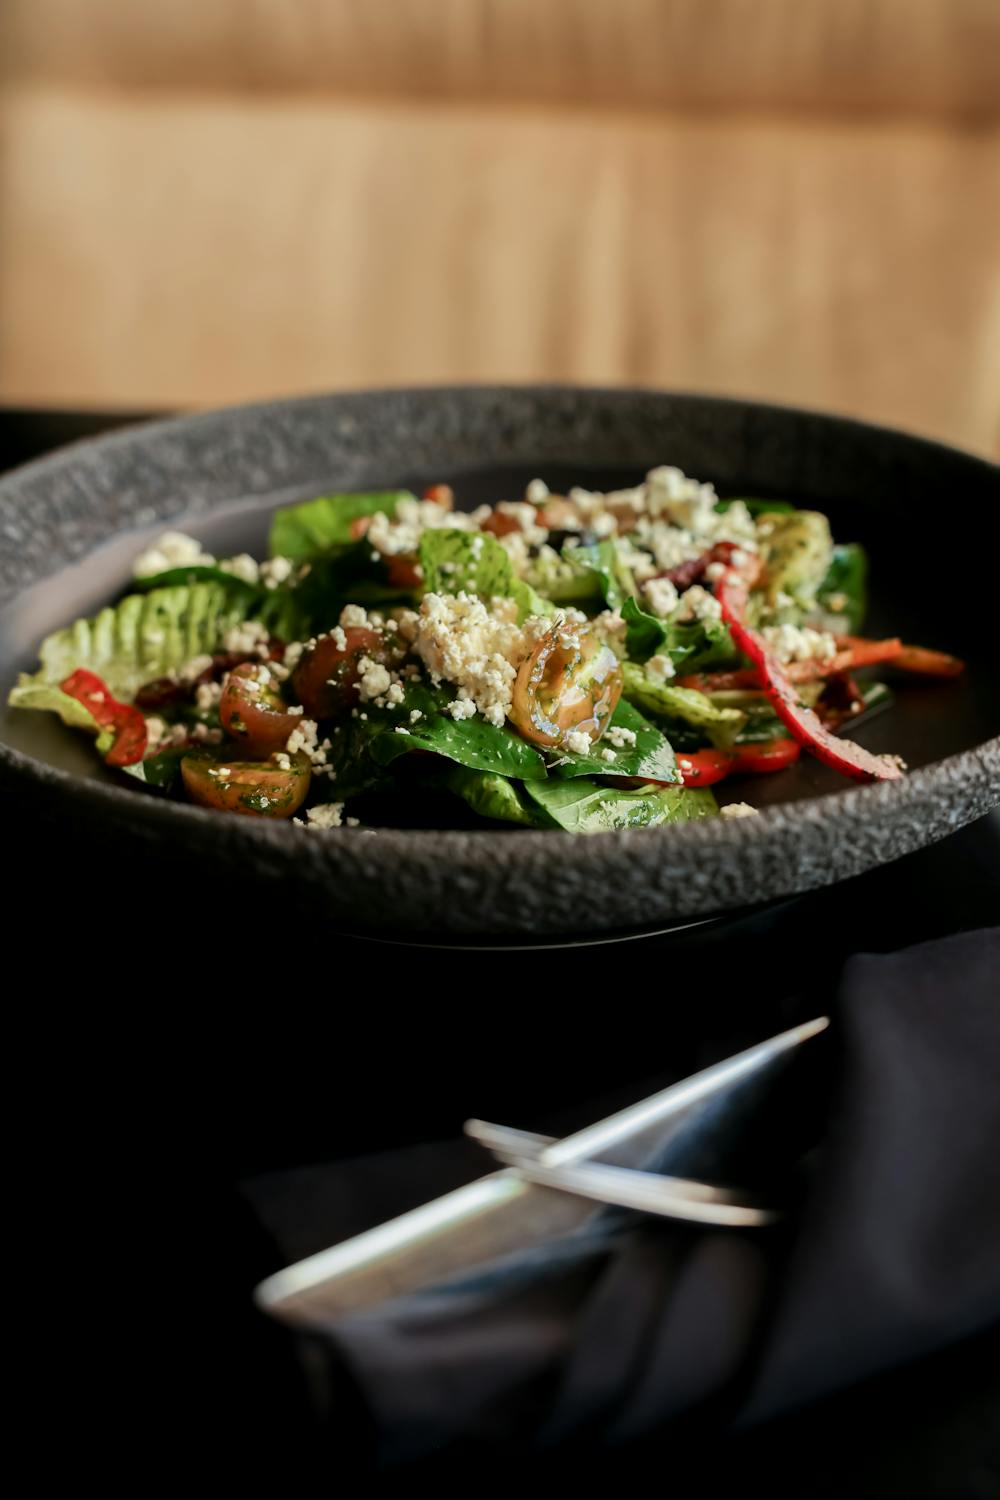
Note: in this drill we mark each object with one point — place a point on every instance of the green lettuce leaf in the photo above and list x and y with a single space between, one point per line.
651 757
601 563
719 725
474 562
31 693
316 526
471 742
582 806
847 577
798 553
693 646
161 771
493 796
141 637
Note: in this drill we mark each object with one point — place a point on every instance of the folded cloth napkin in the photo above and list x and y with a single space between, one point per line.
614 1332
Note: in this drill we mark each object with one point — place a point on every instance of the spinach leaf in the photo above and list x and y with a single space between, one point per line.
693 646
160 771
316 526
847 576
719 725
493 796
470 742
582 806
646 633
651 757
601 562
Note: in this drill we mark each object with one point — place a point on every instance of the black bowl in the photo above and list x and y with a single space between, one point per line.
70 524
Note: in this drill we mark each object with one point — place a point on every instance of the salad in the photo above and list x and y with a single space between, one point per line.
582 661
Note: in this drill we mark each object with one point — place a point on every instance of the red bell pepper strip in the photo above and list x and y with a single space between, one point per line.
804 725
705 767
128 723
910 658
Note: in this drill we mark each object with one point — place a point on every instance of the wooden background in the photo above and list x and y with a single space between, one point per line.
214 200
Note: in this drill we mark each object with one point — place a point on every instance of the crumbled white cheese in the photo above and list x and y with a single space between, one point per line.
304 737
373 679
415 715
247 639
327 815
194 668
241 566
282 760
400 534
608 755
352 615
293 655
174 549
738 810
276 570
794 643
697 603
461 708
207 695
162 736
619 736
537 492
661 596
578 742
659 668
462 642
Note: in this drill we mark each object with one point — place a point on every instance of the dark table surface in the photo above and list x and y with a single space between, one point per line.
168 1053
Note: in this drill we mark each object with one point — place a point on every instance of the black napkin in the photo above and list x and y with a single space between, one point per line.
617 1331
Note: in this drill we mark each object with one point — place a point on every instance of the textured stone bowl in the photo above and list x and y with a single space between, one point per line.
930 516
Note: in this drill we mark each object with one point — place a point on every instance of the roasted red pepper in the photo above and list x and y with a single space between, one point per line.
705 767
804 725
127 722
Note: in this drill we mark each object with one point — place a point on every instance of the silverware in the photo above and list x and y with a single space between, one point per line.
504 1212
623 1187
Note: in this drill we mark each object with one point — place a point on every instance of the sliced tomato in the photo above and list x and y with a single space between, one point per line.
253 712
125 720
326 678
260 789
804 725
570 680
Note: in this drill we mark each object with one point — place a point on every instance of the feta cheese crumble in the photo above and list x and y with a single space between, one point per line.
794 643
174 549
738 810
578 742
476 649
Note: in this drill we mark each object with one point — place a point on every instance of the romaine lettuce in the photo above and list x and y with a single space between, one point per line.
720 725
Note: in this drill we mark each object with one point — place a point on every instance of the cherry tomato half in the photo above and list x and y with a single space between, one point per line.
253 712
326 678
704 767
570 680
259 789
